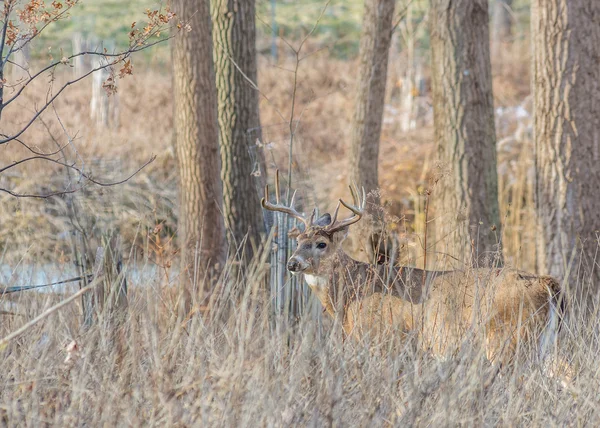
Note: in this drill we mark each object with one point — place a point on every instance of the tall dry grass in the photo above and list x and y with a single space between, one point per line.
225 365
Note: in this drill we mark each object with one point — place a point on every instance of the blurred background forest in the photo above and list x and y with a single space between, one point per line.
141 124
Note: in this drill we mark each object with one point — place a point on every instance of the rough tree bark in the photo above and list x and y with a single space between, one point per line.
466 198
201 226
368 116
234 35
566 88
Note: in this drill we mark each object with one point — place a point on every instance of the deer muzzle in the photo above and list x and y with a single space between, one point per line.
297 265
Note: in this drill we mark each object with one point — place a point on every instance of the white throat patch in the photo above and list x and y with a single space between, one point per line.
314 281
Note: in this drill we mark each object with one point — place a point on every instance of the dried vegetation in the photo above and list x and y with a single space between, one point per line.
230 363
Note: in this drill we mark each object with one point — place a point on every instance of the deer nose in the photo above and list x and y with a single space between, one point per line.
293 265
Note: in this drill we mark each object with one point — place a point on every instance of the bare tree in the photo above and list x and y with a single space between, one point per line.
201 225
370 95
368 114
502 20
502 23
20 26
234 34
566 49
464 128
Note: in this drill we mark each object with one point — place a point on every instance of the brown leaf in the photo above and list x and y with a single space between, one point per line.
127 69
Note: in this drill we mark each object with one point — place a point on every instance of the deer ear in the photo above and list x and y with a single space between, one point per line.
324 220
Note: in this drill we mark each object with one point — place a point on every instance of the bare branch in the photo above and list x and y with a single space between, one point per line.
18 140
40 196
283 39
314 28
71 167
45 106
121 56
16 289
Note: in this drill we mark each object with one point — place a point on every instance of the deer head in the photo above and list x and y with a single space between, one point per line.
322 237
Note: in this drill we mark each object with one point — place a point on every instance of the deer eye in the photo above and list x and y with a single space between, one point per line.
321 245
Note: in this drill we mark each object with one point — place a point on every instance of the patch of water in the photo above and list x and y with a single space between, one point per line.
137 274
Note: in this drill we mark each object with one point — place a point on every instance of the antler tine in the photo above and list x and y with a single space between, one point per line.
312 217
357 209
292 199
277 206
356 193
353 191
335 214
361 203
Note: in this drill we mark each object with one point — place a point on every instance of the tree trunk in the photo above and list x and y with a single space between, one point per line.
501 29
566 88
407 96
370 98
468 223
243 168
201 227
501 20
366 123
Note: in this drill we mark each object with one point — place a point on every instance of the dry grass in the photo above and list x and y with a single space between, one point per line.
226 366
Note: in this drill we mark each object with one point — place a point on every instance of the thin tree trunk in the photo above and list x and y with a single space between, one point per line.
466 199
502 20
408 84
243 167
566 87
501 29
201 227
370 98
367 120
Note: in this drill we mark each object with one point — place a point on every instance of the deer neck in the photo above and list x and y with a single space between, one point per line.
326 284
320 287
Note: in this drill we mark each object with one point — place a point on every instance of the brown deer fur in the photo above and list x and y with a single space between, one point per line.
441 306
510 308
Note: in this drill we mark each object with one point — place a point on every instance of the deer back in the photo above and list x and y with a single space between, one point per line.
442 308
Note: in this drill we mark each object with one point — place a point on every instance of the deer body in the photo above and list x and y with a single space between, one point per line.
439 307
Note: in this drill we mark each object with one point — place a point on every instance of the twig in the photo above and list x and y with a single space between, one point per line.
4 341
63 192
119 57
35 152
427 194
16 289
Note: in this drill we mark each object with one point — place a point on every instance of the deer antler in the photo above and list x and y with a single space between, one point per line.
357 209
282 208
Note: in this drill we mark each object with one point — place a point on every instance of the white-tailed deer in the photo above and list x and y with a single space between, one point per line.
440 307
